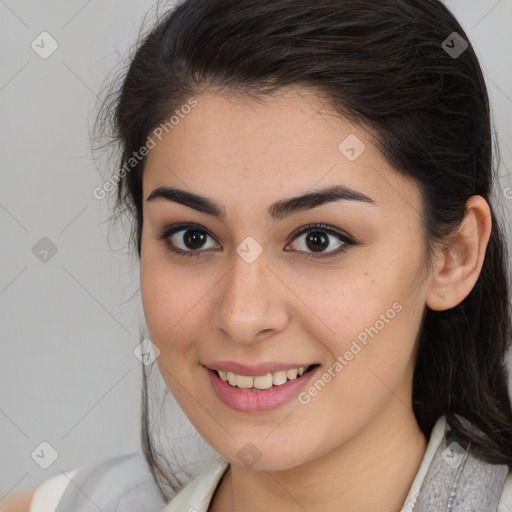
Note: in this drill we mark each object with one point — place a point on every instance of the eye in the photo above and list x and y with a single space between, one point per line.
317 239
194 237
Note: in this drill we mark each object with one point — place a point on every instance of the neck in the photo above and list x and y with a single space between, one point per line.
372 471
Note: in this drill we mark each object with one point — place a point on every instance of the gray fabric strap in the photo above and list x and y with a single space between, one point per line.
458 482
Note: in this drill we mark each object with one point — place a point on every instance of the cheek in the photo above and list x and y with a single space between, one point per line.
174 303
168 313
368 322
370 356
164 300
367 332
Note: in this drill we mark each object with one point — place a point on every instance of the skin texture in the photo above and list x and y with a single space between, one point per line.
359 432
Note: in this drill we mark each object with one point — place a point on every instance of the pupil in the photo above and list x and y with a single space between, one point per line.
196 238
317 238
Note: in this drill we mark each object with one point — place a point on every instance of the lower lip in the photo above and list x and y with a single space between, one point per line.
258 401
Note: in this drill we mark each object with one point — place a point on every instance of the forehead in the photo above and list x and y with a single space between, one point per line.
238 149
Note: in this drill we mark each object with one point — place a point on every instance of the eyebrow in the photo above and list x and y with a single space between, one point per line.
278 210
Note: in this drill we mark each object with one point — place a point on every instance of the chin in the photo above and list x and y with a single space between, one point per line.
254 456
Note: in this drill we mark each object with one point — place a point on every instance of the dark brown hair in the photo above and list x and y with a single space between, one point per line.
384 66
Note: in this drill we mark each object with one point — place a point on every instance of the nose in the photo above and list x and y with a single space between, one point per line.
249 302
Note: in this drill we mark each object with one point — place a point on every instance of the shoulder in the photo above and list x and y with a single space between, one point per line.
123 481
19 502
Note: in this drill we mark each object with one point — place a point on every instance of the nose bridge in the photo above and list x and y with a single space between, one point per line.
246 304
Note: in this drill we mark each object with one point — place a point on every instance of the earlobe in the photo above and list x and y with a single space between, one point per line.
459 264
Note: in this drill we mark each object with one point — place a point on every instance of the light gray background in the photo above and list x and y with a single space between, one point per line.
69 326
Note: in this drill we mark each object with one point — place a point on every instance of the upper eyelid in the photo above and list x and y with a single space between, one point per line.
321 227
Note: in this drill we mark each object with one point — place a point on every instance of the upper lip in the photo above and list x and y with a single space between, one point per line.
254 370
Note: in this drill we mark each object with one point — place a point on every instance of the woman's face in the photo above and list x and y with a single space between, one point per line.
246 292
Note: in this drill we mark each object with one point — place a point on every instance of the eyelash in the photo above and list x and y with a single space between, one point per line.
347 242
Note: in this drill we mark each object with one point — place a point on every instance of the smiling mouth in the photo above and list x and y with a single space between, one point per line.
262 382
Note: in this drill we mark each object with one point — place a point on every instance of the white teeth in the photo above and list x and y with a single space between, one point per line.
292 374
260 381
279 378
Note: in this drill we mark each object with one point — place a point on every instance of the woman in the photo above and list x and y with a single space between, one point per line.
323 272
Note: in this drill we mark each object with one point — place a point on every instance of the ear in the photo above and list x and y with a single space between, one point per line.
459 264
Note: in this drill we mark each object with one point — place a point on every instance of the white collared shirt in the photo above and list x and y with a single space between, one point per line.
125 484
